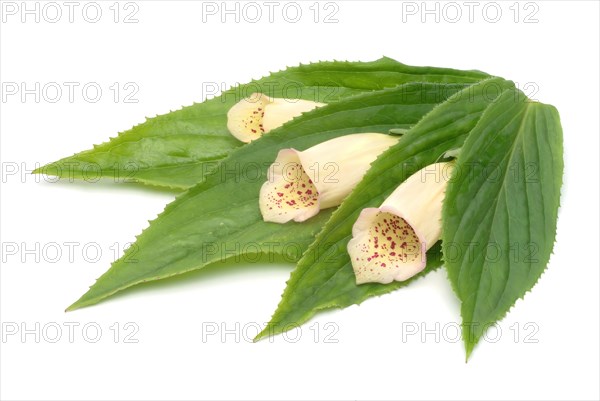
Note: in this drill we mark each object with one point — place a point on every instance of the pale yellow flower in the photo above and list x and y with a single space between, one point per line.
301 183
251 117
389 243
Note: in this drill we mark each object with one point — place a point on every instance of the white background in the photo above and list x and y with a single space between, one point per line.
169 54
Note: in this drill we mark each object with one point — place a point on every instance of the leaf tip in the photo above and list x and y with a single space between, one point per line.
468 351
261 335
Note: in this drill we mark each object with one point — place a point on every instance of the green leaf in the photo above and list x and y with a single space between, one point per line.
219 217
500 210
324 277
179 148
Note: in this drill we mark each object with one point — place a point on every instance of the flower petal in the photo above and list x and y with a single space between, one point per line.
384 248
245 118
289 193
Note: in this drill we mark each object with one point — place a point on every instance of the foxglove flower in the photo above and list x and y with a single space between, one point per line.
389 243
248 119
300 184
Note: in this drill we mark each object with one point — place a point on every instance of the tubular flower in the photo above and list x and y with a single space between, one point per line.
389 243
300 184
257 114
